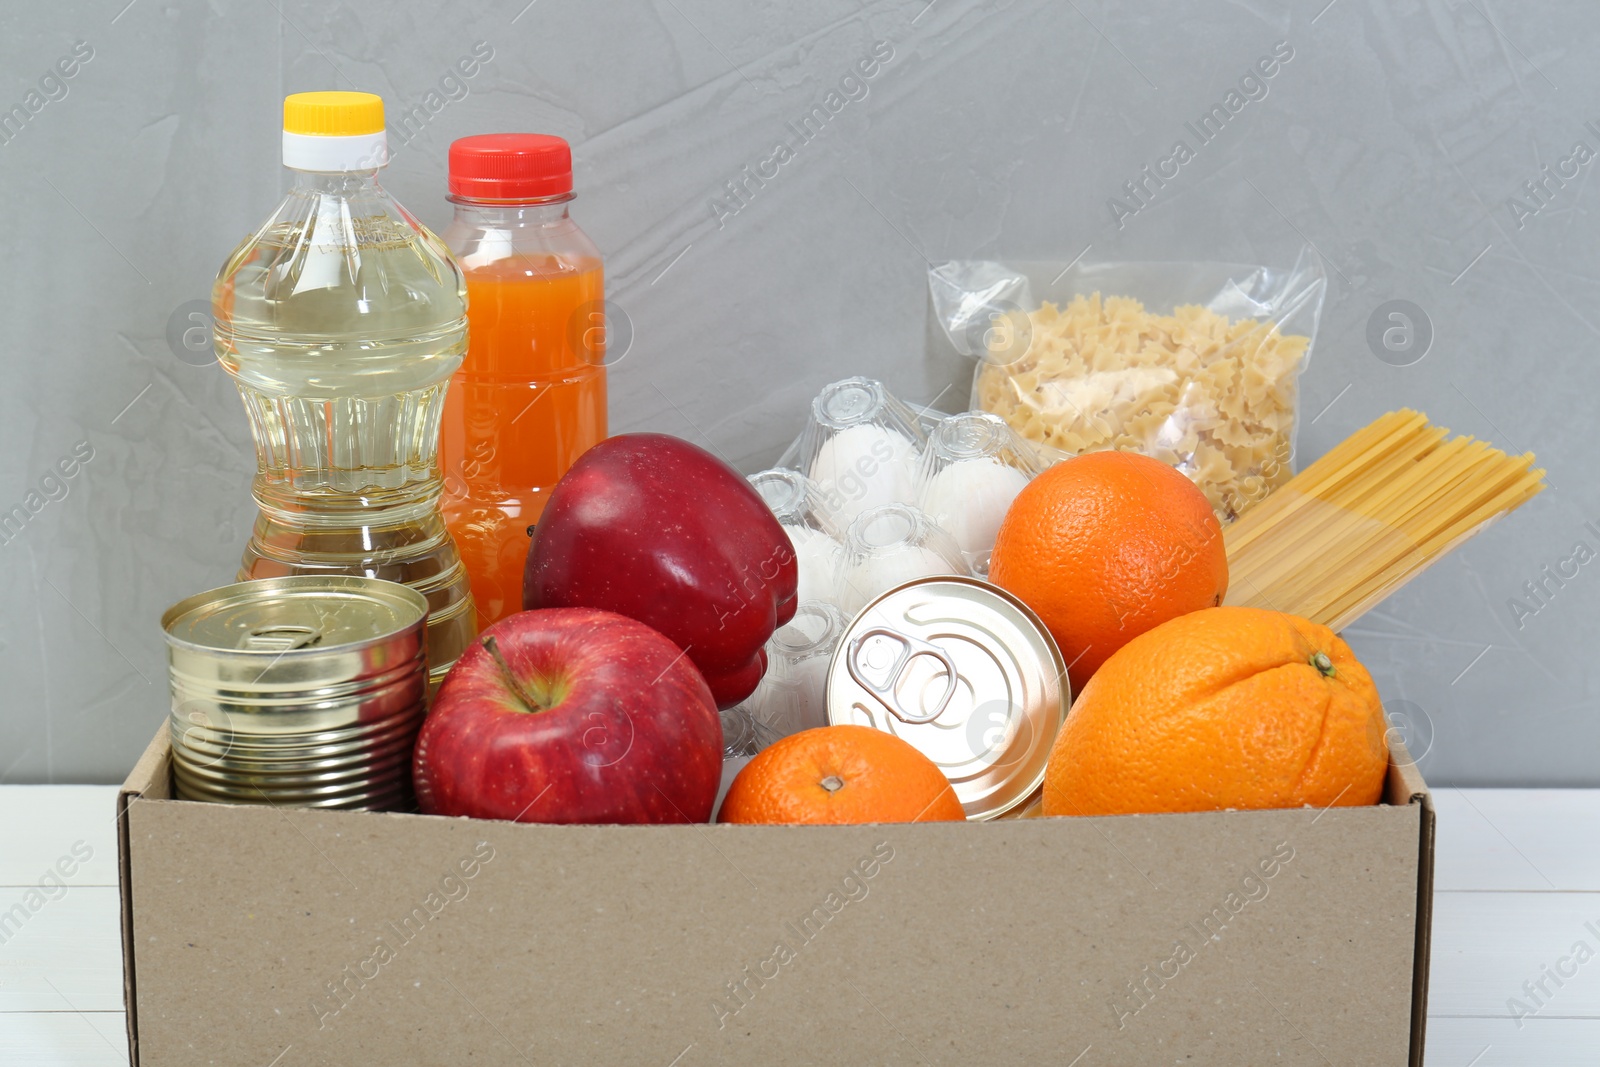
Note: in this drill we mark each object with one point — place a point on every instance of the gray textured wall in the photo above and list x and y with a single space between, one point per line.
1391 141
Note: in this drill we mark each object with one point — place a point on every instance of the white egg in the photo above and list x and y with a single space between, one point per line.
969 499
864 466
885 569
817 558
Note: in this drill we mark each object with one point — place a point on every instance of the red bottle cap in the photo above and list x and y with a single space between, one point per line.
510 166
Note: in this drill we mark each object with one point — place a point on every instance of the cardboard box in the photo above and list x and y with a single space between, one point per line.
297 937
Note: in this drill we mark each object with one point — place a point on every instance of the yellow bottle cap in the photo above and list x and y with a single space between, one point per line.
333 114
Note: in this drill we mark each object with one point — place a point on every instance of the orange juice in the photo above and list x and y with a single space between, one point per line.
530 397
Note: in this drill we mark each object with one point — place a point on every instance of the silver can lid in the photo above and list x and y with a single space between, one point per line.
967 674
274 617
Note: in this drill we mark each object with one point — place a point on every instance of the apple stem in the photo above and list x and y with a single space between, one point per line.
516 686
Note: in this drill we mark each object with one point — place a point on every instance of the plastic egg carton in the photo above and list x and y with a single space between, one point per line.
792 694
874 493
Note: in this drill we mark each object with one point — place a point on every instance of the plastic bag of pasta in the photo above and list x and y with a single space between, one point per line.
1192 363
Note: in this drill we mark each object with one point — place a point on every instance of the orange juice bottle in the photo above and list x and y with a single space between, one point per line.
530 396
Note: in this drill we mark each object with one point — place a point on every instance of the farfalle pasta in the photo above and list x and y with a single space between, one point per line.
1214 397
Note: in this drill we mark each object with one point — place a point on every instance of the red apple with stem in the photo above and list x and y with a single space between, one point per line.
571 715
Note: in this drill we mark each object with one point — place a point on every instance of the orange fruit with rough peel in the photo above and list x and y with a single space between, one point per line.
1106 546
840 774
1222 708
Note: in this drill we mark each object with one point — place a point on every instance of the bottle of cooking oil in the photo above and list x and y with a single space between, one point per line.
341 320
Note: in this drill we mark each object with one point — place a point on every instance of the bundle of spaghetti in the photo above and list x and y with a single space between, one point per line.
1369 516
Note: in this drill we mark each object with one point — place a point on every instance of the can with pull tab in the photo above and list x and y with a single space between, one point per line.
967 674
303 691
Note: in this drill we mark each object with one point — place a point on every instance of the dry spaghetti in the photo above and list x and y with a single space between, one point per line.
1369 516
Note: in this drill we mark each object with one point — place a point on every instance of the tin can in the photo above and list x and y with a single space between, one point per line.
304 691
1032 808
967 674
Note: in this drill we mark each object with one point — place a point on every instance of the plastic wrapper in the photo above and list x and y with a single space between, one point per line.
1195 364
973 467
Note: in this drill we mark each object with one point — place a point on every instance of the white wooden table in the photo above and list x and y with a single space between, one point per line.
1518 888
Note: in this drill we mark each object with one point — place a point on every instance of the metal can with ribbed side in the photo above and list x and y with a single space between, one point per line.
304 691
967 674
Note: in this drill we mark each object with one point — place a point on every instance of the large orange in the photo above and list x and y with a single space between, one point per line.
840 774
1222 708
1105 546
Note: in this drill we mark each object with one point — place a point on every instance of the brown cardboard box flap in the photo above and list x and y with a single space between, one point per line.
353 937
1404 785
150 777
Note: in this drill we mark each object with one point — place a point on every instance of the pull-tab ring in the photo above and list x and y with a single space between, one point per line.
285 638
910 649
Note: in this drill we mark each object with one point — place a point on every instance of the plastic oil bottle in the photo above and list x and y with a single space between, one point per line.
531 396
341 320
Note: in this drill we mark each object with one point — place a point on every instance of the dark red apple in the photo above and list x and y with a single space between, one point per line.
660 530
571 715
